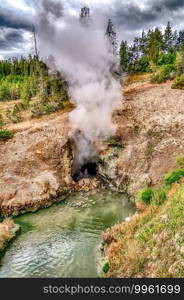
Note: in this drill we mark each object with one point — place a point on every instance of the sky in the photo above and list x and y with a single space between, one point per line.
130 17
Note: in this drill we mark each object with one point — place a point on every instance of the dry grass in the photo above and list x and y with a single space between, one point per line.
137 83
26 114
152 243
137 78
29 122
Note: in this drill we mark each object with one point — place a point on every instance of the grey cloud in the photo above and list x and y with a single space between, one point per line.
128 16
10 39
130 19
131 16
173 4
12 19
13 23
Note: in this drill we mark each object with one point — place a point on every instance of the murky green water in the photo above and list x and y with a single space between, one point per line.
63 240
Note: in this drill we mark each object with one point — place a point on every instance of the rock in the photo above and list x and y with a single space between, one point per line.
165 218
84 181
127 219
8 230
182 249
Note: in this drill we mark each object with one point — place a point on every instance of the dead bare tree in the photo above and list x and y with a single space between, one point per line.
35 42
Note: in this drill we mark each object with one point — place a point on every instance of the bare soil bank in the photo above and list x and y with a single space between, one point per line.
36 165
151 126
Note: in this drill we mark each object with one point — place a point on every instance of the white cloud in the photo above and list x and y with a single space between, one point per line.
20 4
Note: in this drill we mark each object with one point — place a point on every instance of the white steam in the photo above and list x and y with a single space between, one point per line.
83 56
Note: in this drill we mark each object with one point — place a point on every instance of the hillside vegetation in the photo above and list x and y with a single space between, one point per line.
28 90
151 243
159 53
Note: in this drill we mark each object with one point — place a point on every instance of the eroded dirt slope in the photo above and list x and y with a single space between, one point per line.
32 162
151 126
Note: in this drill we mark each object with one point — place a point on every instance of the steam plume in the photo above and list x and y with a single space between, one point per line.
83 55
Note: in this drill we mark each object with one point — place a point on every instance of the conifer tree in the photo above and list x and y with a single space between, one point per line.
168 37
143 43
156 45
111 35
135 48
175 45
124 55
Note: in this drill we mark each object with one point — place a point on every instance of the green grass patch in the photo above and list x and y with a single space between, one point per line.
174 176
167 72
115 141
6 134
179 82
106 267
174 209
146 195
160 195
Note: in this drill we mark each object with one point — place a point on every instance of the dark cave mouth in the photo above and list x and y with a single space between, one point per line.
88 170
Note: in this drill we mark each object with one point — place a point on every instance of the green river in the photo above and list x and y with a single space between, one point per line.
64 240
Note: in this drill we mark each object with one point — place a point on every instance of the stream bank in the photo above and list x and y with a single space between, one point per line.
64 240
8 230
150 244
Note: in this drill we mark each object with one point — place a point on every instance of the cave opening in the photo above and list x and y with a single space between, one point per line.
88 170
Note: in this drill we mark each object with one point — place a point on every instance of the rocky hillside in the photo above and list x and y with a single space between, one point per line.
151 127
36 163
